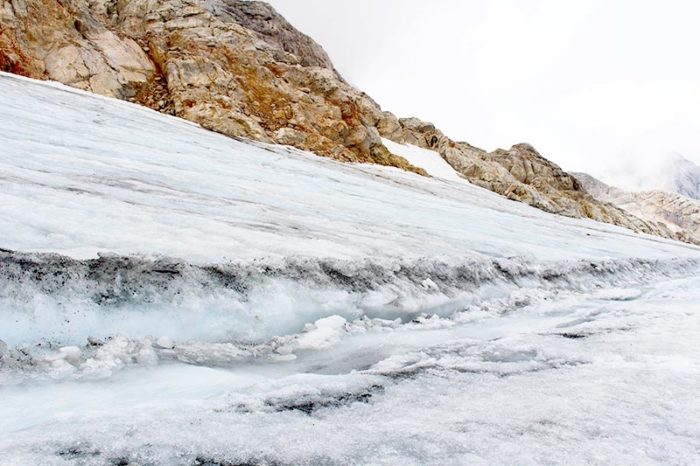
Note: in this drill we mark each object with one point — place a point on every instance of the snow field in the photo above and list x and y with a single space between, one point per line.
169 296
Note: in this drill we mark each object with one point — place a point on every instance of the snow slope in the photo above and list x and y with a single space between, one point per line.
170 296
428 160
83 174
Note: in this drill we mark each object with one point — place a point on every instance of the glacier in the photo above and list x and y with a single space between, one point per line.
172 296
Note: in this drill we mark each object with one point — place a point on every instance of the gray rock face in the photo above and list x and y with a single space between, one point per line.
685 178
274 29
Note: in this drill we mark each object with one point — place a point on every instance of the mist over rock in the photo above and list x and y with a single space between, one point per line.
684 177
522 174
672 173
678 213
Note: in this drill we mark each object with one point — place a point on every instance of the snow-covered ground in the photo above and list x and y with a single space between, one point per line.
83 174
429 160
172 296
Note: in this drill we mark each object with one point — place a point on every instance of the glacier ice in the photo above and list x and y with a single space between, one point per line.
172 296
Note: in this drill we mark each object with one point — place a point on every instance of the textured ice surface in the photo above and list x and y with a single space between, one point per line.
82 174
169 296
578 378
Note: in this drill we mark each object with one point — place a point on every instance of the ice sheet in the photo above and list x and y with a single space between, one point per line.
219 302
82 174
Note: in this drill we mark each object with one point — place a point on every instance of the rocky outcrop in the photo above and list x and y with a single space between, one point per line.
520 174
679 213
65 43
232 66
239 68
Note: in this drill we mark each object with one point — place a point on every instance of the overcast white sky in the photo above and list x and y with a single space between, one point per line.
591 84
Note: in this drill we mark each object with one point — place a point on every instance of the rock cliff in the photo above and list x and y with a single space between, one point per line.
239 68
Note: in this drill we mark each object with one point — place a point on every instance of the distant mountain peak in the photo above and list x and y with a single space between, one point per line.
684 176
